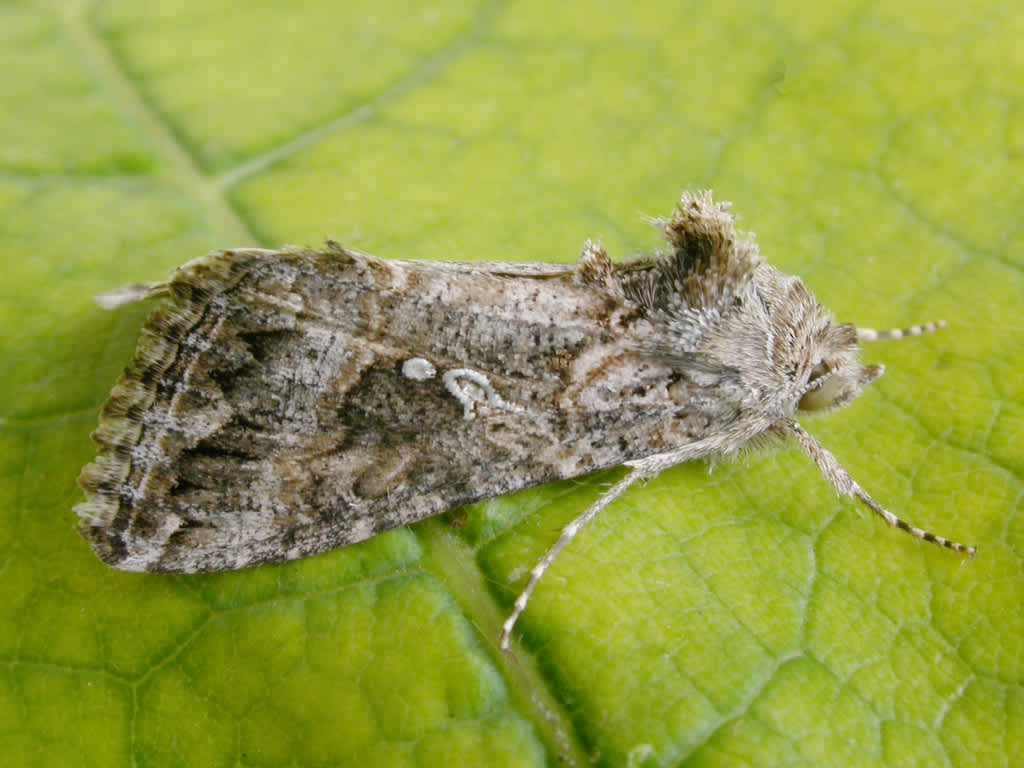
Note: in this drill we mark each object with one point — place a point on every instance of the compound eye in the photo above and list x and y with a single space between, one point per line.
824 394
819 370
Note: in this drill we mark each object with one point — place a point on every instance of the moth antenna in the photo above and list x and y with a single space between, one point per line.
847 486
568 534
871 334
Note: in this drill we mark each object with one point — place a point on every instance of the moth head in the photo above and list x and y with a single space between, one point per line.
835 375
814 360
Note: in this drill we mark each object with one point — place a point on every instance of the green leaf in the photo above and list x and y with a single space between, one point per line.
741 617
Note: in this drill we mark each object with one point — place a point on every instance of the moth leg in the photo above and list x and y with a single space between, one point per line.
640 469
127 294
847 486
568 534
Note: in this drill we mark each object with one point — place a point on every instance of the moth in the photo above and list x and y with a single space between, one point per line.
284 403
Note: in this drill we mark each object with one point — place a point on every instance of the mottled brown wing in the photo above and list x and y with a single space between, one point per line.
272 411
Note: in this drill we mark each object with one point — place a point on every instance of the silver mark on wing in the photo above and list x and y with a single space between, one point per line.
471 388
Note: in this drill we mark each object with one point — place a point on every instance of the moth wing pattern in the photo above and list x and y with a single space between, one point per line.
284 403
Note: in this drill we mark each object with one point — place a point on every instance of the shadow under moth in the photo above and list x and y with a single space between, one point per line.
284 403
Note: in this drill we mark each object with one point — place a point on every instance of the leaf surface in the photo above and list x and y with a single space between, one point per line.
741 617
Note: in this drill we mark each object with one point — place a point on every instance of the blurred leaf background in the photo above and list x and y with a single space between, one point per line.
741 618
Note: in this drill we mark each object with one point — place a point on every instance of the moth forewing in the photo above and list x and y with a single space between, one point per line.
283 403
280 406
